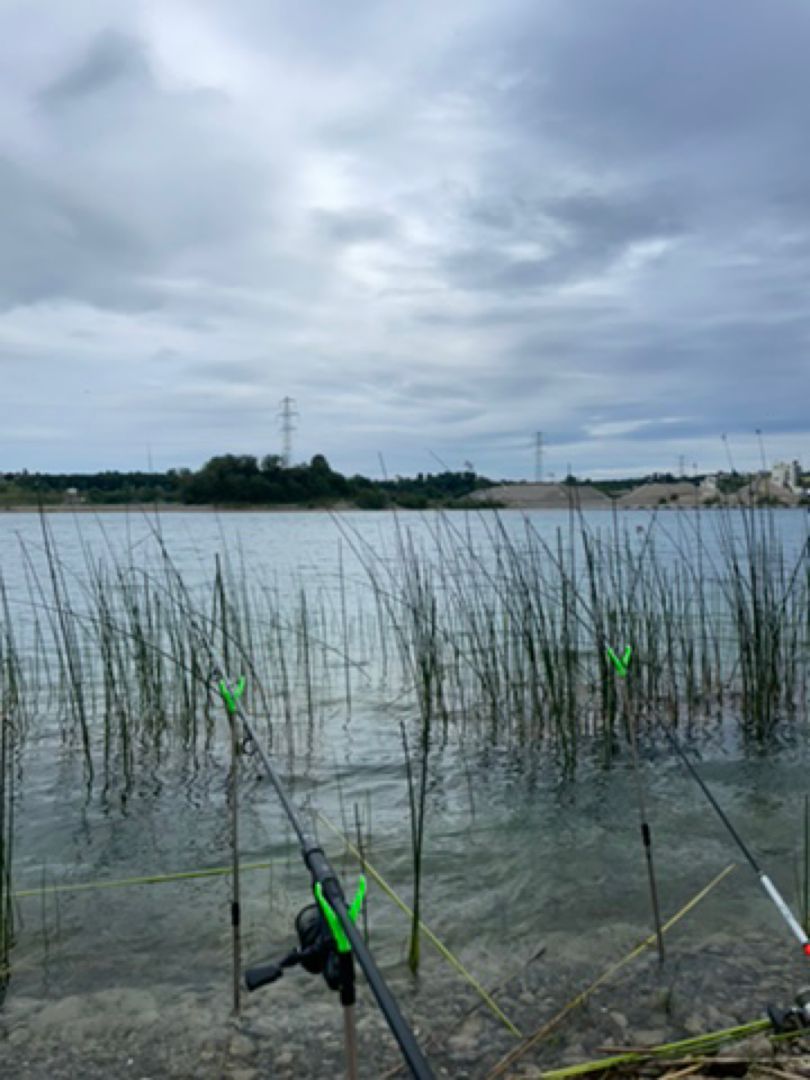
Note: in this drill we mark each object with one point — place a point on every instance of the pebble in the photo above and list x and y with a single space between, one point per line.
241 1046
696 1024
648 1036
759 1047
619 1019
705 991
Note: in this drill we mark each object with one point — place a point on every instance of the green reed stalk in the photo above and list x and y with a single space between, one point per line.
68 645
10 713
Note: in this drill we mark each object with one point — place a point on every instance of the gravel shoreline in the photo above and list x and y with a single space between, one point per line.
295 1030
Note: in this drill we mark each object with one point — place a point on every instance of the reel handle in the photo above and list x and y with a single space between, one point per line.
261 975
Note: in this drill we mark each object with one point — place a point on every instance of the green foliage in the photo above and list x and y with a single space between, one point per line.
231 479
438 488
371 499
240 480
31 489
728 484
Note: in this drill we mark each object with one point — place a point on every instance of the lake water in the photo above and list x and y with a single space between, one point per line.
136 980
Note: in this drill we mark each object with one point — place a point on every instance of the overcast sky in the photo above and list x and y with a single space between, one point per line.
439 227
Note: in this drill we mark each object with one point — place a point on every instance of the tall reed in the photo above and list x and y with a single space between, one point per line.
10 702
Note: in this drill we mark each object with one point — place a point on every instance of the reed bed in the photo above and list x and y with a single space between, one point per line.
11 692
505 633
488 633
482 632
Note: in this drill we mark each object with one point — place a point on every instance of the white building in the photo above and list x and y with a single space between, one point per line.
787 475
708 485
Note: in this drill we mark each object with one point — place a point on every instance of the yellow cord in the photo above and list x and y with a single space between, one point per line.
154 879
532 1040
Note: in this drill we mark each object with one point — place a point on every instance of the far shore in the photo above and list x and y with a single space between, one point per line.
171 508
650 496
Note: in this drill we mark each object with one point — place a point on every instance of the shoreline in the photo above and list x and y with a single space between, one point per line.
172 508
344 507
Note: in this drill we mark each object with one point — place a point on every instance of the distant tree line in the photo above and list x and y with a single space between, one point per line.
241 480
618 487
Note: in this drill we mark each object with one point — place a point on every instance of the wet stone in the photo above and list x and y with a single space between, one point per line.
696 1024
619 1020
241 1046
759 1047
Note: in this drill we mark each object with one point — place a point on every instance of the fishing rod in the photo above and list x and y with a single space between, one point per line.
329 939
766 883
317 952
328 924
621 664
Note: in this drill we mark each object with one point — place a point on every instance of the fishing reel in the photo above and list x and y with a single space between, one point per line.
795 1017
316 952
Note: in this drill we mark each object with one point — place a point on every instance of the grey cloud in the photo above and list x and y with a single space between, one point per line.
55 245
231 371
111 58
139 189
610 221
635 76
354 226
583 232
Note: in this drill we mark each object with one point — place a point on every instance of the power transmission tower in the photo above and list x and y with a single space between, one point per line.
538 458
287 415
682 465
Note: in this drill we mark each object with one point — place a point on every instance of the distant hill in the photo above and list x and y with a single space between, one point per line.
544 496
653 494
